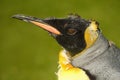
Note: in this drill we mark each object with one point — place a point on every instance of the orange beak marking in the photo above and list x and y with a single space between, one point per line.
47 27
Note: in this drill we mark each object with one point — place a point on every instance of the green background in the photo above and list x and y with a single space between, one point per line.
28 52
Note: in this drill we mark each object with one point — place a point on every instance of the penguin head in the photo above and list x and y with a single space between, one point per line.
73 33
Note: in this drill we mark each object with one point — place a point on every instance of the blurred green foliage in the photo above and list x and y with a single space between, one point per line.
28 52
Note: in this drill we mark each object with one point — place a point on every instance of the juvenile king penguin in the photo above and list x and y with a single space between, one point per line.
87 54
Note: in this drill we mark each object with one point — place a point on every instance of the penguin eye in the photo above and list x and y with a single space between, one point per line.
71 31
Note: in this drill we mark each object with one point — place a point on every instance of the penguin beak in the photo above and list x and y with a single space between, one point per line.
38 22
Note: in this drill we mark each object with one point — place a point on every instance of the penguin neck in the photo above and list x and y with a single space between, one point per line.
98 48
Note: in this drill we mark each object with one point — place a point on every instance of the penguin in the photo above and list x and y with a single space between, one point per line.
87 54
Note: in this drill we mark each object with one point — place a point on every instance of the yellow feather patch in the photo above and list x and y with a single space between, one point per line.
91 34
69 72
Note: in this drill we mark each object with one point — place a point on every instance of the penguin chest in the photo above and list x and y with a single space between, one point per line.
72 74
